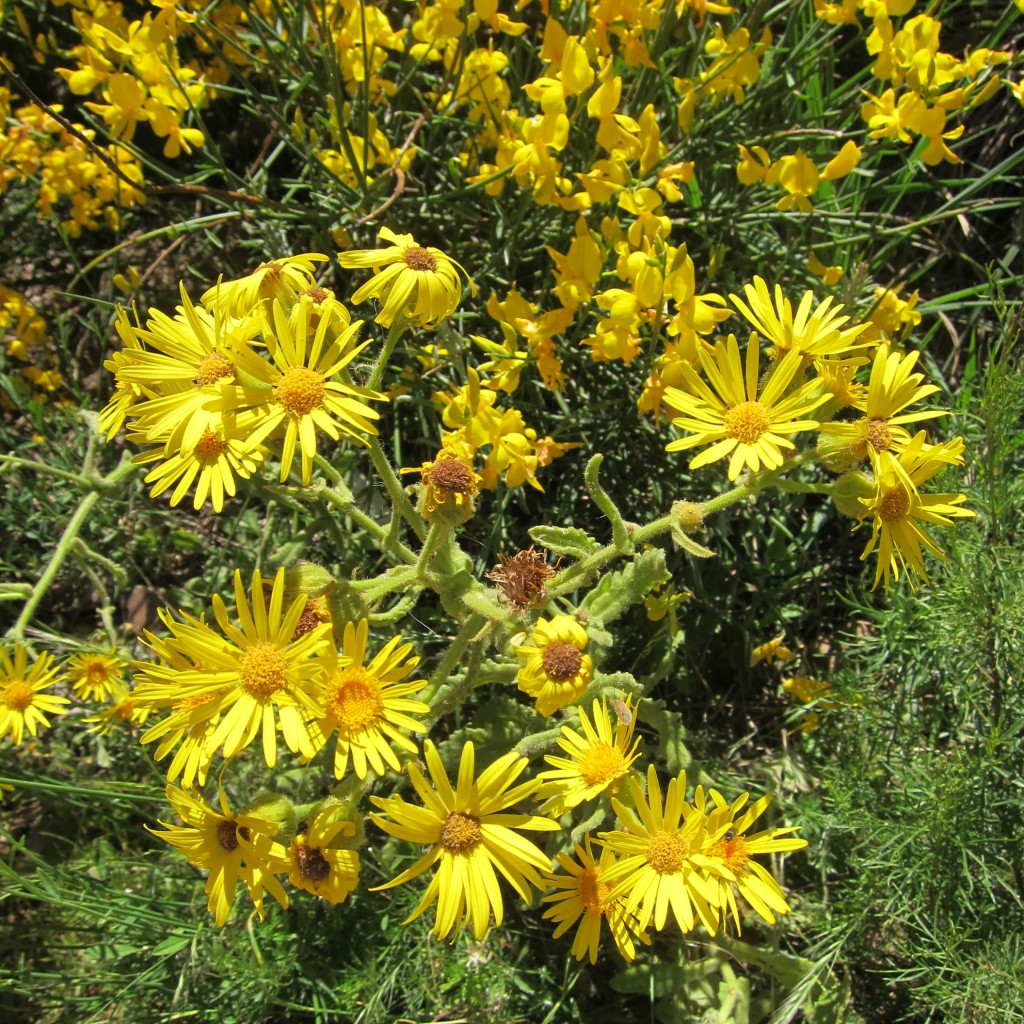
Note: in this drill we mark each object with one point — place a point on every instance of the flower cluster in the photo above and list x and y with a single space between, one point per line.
26 342
262 358
731 410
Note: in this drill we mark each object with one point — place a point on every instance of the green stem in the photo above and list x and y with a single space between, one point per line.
398 326
395 491
471 628
62 474
66 544
341 498
438 533
460 688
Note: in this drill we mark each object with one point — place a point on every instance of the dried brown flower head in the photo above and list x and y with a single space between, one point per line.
523 578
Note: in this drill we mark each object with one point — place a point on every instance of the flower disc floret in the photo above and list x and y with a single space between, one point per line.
300 391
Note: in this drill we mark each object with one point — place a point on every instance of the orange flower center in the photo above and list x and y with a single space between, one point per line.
125 709
732 852
593 893
300 390
879 436
262 669
16 695
418 258
894 505
312 864
450 475
354 700
210 447
213 367
601 764
561 662
667 852
747 421
460 832
96 672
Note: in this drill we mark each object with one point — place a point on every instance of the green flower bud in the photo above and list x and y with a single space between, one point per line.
838 453
848 491
308 578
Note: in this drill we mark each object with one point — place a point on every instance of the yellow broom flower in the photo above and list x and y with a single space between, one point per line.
23 705
598 761
421 284
733 418
585 896
469 832
369 705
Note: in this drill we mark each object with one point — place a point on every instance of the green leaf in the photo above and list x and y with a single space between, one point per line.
171 945
565 540
619 590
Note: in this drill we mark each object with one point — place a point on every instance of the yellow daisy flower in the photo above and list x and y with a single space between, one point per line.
184 362
228 845
597 763
891 388
192 719
837 377
367 704
122 709
662 863
23 705
254 675
280 279
817 333
421 284
126 393
555 669
734 850
304 398
585 896
95 676
731 416
469 832
898 510
222 452
317 863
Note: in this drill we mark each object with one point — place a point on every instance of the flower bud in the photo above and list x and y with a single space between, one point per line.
839 453
848 491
